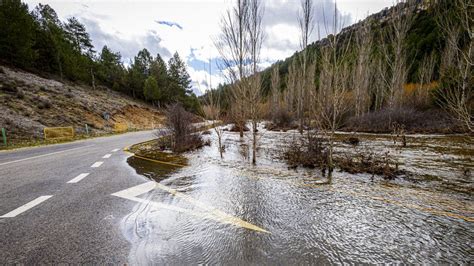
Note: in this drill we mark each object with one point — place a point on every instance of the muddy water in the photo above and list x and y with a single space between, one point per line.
426 217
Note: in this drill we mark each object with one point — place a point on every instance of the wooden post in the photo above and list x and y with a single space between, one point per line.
4 136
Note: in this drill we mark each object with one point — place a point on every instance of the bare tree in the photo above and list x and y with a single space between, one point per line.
253 95
331 98
275 101
306 26
394 50
363 69
421 95
456 19
233 46
212 110
291 87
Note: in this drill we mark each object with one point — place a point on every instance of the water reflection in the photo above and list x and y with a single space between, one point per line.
352 220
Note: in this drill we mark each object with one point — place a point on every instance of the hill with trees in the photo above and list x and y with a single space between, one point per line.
41 43
408 66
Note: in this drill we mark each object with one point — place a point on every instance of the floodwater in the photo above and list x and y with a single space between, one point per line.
230 212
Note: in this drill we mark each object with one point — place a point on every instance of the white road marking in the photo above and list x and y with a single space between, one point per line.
107 156
43 155
97 164
78 178
136 190
208 212
26 207
115 150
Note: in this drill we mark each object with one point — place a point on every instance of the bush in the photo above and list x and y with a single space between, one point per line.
179 134
410 119
43 102
371 163
236 128
10 87
309 151
282 120
20 94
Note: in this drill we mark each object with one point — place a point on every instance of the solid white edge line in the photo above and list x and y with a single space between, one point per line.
26 207
97 164
115 150
78 178
107 156
43 155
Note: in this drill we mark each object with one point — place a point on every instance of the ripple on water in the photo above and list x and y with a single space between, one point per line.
352 220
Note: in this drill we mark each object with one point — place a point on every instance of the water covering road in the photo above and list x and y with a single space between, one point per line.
426 218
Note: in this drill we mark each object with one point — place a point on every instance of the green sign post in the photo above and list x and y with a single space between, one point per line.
4 136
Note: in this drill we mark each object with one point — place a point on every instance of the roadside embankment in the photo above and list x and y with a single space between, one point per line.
31 103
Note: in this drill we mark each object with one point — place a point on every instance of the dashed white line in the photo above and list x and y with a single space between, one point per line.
78 178
107 156
26 207
97 164
115 150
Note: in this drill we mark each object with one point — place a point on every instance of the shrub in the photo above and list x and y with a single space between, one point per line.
43 102
179 134
369 162
10 87
309 151
20 94
410 119
282 120
236 128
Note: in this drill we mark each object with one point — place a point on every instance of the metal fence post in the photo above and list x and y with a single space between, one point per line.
4 136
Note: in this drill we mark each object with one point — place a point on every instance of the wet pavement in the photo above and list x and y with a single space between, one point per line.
426 217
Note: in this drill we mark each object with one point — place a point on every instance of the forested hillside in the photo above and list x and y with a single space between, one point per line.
408 66
41 43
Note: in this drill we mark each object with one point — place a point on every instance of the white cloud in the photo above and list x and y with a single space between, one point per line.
128 26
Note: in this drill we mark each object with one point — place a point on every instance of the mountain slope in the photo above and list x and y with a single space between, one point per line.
30 103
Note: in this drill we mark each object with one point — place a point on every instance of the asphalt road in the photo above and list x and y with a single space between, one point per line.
45 219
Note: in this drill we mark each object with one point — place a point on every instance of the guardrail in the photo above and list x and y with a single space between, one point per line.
58 133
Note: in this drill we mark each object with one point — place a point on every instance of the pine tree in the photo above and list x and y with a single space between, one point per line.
138 72
79 37
50 40
180 80
16 33
159 71
151 90
110 69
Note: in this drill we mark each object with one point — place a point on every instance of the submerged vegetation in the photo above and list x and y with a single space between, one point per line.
312 151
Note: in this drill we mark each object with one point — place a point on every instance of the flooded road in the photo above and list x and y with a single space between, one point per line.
229 212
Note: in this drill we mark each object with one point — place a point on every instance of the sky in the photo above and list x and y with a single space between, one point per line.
190 27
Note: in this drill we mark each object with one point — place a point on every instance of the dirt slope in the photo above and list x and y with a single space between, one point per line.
29 103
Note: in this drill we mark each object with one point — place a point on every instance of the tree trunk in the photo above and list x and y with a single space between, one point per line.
93 79
254 144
